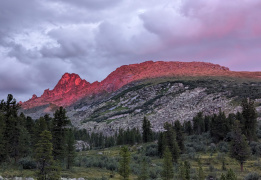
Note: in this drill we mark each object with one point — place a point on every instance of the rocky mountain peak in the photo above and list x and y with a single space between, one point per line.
72 88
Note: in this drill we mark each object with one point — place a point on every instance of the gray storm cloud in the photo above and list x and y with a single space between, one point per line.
41 40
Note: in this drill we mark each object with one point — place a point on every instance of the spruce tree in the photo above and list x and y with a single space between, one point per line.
171 142
188 128
179 135
239 148
167 172
70 149
2 145
60 122
147 132
198 124
124 164
161 144
219 127
12 131
44 157
250 119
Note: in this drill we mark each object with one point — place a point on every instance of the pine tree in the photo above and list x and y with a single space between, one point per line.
60 122
70 149
147 132
144 171
171 142
239 148
2 145
44 157
219 127
179 135
167 172
198 124
207 122
250 119
161 144
124 164
188 128
11 132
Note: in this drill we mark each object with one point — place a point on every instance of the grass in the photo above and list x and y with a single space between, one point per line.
211 163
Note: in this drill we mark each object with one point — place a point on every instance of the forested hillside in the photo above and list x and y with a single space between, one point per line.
217 145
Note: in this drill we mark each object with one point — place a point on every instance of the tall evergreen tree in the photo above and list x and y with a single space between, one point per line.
207 122
198 124
239 148
179 135
124 165
250 119
171 141
2 144
147 132
188 128
70 149
44 157
60 122
161 144
11 128
167 172
219 127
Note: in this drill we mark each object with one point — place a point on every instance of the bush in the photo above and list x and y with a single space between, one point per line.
101 162
252 176
212 147
223 147
258 133
255 148
154 173
27 163
151 150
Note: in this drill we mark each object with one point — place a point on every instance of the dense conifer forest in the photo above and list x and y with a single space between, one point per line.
216 146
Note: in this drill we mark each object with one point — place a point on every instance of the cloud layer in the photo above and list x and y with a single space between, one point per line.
42 39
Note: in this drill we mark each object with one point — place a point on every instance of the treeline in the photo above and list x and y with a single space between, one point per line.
121 137
46 143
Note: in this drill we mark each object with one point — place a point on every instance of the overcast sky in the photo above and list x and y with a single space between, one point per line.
40 40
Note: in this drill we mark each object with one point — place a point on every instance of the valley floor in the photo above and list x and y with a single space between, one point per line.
102 164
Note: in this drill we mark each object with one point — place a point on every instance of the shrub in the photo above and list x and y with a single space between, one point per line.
154 173
27 163
151 150
252 176
255 148
223 147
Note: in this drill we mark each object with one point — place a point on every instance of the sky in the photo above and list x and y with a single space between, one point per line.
40 40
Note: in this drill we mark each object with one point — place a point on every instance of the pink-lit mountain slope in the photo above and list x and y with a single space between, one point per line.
72 88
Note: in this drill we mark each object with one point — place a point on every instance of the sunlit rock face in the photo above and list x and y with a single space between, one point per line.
72 88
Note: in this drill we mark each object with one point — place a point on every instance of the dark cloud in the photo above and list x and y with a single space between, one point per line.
40 40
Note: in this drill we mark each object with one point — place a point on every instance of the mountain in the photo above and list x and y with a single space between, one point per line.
71 87
163 91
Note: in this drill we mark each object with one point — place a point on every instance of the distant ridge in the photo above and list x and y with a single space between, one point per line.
72 88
